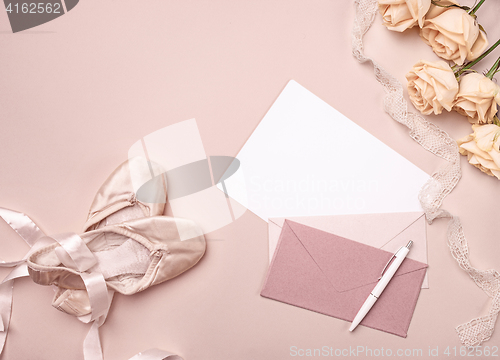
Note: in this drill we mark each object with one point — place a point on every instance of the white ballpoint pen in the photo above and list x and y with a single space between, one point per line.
399 256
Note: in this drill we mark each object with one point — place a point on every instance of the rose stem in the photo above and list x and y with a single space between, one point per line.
493 70
476 8
472 63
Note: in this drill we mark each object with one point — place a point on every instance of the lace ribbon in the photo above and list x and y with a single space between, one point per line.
80 257
432 194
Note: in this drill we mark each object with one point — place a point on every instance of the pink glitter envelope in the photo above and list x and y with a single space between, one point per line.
332 275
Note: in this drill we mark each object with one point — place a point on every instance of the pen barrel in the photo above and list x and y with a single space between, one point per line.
367 305
399 256
398 259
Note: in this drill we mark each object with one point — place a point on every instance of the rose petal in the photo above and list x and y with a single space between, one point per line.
474 149
480 45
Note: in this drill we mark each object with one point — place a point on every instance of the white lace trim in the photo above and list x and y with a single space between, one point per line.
432 194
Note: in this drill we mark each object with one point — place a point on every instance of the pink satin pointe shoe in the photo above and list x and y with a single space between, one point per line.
129 257
125 259
115 201
126 247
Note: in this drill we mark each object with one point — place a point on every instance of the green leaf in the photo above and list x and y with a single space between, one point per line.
436 3
482 29
496 121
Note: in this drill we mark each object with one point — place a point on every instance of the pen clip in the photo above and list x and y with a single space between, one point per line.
386 265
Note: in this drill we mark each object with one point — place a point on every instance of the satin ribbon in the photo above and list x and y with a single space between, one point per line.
77 256
155 354
30 233
73 252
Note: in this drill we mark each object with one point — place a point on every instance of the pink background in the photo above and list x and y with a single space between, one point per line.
77 92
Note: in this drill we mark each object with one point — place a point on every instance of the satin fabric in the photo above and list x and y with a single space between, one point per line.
81 290
30 233
118 191
73 252
100 297
159 234
155 354
113 203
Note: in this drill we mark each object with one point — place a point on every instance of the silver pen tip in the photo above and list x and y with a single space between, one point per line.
410 243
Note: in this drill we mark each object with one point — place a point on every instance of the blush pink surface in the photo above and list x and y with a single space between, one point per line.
77 92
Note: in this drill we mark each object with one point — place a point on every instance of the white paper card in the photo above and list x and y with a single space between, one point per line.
305 159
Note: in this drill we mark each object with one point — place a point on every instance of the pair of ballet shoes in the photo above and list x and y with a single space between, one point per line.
125 239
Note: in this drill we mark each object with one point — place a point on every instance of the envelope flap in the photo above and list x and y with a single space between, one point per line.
347 264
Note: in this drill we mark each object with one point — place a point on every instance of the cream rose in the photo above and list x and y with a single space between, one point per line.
454 35
399 15
476 98
483 148
436 10
432 86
